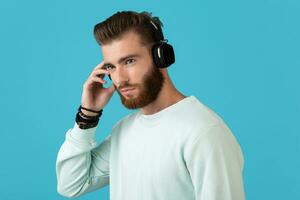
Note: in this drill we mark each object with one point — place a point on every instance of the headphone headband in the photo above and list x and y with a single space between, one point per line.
158 32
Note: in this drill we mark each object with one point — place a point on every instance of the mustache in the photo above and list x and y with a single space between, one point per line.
125 85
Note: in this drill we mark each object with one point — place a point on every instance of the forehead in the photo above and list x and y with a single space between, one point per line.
129 43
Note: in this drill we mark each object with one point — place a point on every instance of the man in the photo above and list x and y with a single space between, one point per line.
173 148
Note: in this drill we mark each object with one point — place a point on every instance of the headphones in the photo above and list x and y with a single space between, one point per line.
162 52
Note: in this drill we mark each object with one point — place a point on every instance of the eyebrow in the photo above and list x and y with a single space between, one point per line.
122 59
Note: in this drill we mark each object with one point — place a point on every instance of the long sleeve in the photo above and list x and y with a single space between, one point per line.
81 165
215 163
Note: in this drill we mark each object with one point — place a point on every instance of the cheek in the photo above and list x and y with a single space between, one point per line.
139 71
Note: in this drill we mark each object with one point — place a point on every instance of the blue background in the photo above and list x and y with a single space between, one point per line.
241 58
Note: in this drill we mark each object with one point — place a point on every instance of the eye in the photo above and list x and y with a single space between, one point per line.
109 67
130 60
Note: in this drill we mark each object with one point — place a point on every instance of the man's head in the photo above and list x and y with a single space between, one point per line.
126 39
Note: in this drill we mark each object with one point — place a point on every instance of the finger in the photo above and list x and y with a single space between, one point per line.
99 73
103 71
92 80
97 79
100 65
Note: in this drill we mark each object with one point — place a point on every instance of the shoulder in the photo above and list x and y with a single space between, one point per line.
205 125
198 117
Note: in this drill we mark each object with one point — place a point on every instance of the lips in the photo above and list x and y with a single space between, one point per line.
126 90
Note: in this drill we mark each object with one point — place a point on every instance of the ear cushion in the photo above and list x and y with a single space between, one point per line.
163 55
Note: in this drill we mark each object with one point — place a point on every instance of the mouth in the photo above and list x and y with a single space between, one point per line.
126 91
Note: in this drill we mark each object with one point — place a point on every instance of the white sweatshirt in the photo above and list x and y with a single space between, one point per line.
183 152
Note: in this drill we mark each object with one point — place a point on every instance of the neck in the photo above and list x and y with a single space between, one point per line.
168 96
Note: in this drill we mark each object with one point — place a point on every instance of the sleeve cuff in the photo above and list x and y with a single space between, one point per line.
84 135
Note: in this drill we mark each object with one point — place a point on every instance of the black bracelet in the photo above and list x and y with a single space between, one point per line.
86 120
87 116
85 123
86 126
94 111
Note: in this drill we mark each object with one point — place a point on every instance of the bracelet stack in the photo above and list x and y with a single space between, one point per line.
85 121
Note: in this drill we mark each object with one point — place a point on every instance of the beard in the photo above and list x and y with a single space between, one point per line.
149 89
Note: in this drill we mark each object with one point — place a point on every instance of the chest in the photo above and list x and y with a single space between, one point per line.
151 156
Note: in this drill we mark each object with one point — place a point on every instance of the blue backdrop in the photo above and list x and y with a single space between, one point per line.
241 58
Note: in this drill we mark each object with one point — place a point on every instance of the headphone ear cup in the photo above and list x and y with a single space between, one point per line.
155 55
163 55
168 54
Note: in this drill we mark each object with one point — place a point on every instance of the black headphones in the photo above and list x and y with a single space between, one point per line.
162 52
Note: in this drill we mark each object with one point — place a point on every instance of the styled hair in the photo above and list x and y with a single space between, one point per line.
122 22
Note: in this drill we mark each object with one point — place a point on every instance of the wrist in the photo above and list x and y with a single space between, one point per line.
85 122
87 118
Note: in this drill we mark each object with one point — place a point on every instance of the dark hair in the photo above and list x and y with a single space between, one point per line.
122 22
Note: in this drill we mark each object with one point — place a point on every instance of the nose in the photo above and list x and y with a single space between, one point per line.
120 76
